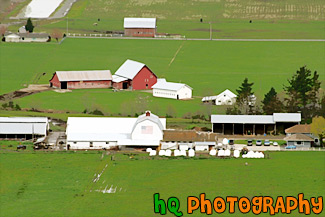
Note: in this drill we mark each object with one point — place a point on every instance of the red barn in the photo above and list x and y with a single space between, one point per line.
140 27
134 75
81 79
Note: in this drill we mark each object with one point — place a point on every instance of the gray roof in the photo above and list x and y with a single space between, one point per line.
28 35
93 75
162 84
287 117
256 119
242 119
298 137
23 125
129 69
149 23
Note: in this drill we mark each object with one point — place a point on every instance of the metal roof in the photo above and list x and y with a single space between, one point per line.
23 120
152 117
101 128
287 117
23 125
256 119
226 92
242 119
117 79
129 69
162 84
205 143
149 23
93 75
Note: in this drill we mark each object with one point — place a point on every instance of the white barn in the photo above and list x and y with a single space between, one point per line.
99 133
23 127
225 98
171 90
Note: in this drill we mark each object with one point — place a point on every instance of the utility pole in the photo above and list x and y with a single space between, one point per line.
210 31
67 26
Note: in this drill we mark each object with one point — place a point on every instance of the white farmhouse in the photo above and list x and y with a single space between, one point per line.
225 98
99 133
171 90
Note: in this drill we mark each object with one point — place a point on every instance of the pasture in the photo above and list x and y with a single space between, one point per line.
229 18
208 66
61 183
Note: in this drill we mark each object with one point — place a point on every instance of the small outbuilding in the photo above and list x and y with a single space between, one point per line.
140 27
299 140
304 129
81 79
134 75
171 90
27 37
23 127
225 98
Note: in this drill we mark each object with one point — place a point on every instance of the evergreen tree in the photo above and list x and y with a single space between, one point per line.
302 90
245 98
29 26
271 102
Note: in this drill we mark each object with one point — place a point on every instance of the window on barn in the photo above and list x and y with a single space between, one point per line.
299 142
91 144
74 142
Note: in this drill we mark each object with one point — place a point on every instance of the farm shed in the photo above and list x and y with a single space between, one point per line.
140 27
27 37
302 129
99 133
299 140
81 79
134 75
171 90
23 127
185 139
204 146
253 124
225 98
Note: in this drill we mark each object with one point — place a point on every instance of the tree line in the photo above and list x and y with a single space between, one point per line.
301 95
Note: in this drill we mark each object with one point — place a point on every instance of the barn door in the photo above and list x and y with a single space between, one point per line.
64 85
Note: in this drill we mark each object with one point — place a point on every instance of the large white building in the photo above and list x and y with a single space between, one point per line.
171 90
99 133
23 127
225 98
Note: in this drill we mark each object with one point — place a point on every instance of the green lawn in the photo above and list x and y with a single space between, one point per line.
208 66
61 183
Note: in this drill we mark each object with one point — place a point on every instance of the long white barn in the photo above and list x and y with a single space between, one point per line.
171 90
23 127
99 133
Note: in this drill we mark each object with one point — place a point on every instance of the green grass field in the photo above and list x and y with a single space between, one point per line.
229 18
208 66
60 183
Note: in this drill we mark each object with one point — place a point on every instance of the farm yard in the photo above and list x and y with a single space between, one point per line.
62 183
207 66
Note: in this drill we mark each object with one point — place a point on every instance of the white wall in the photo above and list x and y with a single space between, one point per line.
201 148
225 100
184 93
147 130
87 145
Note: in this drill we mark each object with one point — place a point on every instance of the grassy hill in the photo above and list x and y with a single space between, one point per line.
229 18
207 66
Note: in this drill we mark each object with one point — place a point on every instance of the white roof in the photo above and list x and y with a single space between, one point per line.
226 92
149 23
205 143
287 117
12 36
129 69
118 79
23 125
93 75
256 119
162 84
101 128
242 119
